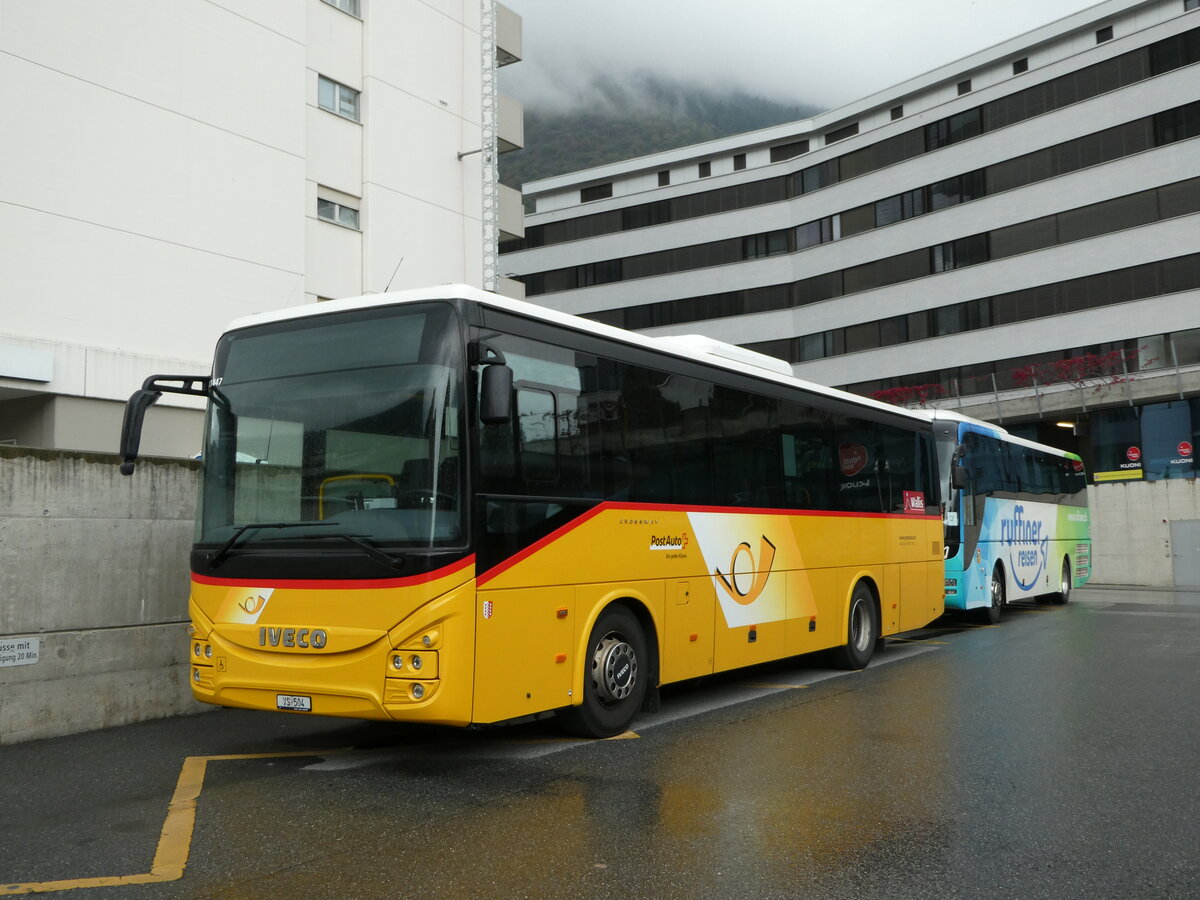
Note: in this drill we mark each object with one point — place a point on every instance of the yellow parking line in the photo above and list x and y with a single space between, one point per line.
175 841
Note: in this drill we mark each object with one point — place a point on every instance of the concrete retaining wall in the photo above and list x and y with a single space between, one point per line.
93 576
1131 529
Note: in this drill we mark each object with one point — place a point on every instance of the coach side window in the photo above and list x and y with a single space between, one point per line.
808 450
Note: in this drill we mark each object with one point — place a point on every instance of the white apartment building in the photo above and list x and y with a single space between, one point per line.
168 167
1016 235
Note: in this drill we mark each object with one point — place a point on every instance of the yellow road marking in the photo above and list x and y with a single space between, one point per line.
175 841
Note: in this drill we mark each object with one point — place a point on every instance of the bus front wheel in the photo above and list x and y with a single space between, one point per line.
995 606
862 631
614 683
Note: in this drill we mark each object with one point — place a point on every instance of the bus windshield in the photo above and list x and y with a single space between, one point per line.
342 426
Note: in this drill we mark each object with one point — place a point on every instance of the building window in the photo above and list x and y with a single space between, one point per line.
897 112
346 6
739 162
664 177
337 98
1191 4
757 246
840 134
1104 34
787 151
1021 65
337 213
705 169
595 192
964 87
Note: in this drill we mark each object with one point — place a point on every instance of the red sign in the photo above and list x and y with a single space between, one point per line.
852 458
914 502
1185 448
1133 454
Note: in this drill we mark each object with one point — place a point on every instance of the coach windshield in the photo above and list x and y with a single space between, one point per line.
340 428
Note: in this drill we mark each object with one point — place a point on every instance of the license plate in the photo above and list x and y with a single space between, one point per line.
293 702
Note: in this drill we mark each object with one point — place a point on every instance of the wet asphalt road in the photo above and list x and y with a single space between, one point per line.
1052 756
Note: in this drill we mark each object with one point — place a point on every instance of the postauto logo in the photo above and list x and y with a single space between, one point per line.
1027 541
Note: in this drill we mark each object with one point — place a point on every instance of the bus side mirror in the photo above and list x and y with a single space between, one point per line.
131 427
495 400
135 410
958 478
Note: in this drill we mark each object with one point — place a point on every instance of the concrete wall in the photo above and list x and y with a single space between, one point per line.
1131 529
94 573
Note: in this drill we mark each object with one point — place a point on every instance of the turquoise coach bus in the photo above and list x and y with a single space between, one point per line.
1015 515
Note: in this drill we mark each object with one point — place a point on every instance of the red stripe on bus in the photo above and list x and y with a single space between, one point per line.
521 556
553 536
340 584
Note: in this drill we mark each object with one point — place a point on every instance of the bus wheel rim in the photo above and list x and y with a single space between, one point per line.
861 628
614 669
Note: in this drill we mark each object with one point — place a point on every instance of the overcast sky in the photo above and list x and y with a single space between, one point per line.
822 52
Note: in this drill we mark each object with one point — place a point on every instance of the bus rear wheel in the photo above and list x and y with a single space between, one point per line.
862 631
1064 584
614 684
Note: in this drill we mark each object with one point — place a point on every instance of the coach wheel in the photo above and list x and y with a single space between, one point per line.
862 632
614 684
1064 583
996 597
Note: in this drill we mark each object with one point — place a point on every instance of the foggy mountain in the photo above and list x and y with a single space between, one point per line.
621 119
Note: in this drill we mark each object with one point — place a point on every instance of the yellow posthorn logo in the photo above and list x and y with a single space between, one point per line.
761 570
251 605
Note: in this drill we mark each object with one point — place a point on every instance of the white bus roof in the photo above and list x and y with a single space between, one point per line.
1000 431
699 348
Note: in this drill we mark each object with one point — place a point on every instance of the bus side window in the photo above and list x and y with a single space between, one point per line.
807 449
538 436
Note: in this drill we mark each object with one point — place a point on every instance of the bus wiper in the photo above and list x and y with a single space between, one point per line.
223 550
357 540
396 562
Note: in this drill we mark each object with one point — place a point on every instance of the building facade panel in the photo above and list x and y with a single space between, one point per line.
172 167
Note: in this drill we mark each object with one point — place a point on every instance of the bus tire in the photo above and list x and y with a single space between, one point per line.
614 681
991 612
862 631
1064 583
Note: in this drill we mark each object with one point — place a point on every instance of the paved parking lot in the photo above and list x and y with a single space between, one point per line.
1049 756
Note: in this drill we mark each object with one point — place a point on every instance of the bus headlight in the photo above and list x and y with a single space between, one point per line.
407 664
418 691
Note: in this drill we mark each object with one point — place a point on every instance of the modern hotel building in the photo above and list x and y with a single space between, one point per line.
1016 235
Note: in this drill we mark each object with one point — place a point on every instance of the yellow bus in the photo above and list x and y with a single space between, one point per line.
450 507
